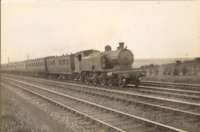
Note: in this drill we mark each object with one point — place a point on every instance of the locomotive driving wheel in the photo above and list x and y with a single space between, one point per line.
110 83
103 82
94 82
137 83
122 82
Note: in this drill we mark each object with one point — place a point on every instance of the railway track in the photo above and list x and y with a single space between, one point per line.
194 93
172 85
163 92
173 93
80 115
170 90
182 110
114 119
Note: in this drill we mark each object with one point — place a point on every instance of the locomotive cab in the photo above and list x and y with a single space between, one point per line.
79 56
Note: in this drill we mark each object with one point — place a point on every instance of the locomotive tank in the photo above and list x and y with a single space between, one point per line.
122 57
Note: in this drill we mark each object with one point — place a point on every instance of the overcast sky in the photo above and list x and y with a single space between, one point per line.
151 29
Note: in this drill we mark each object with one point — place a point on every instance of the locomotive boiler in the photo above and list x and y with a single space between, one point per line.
119 59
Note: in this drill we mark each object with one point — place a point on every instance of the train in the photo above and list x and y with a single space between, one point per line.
107 68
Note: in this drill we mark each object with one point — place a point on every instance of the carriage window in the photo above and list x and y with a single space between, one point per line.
61 62
51 62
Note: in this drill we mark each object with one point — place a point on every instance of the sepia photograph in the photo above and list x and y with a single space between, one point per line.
100 66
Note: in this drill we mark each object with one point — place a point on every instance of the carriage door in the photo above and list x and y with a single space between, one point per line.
78 60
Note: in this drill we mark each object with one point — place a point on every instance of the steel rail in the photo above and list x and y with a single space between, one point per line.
168 89
136 102
164 92
168 92
171 84
129 95
120 92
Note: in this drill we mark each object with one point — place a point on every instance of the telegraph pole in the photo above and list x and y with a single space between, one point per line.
27 57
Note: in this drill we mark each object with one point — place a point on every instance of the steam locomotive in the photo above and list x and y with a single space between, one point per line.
108 68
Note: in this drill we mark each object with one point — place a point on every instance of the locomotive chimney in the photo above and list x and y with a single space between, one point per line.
121 45
108 48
